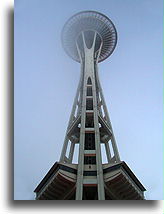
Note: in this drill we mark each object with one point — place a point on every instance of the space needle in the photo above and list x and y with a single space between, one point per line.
89 38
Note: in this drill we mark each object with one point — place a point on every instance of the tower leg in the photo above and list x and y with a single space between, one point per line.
71 152
64 149
115 149
108 154
100 179
75 104
79 184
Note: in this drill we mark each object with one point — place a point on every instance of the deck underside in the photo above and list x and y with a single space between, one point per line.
119 182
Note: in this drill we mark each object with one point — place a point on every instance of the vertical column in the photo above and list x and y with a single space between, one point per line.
115 149
108 154
65 144
71 152
89 68
100 179
89 72
79 183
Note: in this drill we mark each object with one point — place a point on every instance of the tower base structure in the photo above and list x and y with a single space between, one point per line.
120 183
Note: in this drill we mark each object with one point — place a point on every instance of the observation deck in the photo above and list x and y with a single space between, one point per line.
89 22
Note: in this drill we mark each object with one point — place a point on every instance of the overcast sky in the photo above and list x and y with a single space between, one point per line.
46 80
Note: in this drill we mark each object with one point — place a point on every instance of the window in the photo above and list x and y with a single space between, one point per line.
89 123
89 91
89 160
89 82
89 141
89 104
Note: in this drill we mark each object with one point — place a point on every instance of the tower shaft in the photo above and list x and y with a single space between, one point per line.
93 121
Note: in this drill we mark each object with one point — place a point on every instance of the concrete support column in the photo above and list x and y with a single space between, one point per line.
79 183
115 149
64 149
108 154
71 152
90 71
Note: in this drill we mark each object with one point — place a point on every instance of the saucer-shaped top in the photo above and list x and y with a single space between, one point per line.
89 21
